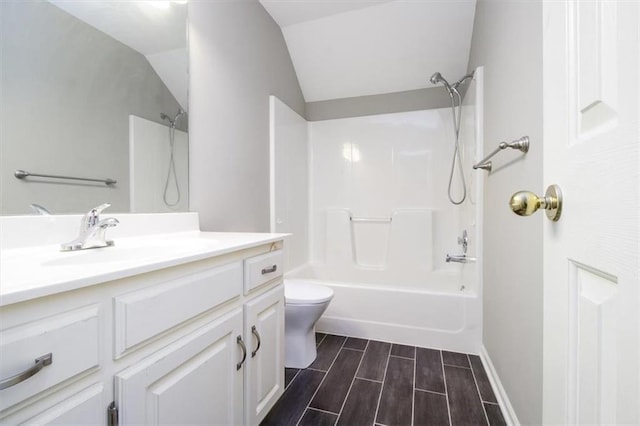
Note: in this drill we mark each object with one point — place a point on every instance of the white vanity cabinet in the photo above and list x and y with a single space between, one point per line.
196 343
264 378
195 380
67 388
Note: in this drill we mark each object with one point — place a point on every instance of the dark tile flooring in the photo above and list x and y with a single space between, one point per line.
356 382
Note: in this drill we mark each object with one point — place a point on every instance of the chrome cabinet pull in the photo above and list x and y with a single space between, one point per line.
244 352
21 377
269 270
254 331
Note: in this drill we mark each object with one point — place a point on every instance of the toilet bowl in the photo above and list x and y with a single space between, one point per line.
304 304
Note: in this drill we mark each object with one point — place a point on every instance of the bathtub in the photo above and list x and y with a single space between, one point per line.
436 309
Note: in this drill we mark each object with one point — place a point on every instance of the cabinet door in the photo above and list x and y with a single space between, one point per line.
195 380
264 331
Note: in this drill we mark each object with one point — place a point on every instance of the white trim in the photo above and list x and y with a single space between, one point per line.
272 163
503 400
478 77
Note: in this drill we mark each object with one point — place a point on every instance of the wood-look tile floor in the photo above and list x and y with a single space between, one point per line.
356 382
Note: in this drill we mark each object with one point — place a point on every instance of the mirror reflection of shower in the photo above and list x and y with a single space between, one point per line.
172 163
456 101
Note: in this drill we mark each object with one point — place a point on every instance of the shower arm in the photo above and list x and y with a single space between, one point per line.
521 144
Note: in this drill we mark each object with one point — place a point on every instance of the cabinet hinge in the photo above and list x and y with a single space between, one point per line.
112 414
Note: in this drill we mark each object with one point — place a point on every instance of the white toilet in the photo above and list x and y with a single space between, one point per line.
304 304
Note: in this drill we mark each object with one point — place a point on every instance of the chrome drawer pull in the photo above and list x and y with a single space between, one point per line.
244 352
254 331
21 377
269 270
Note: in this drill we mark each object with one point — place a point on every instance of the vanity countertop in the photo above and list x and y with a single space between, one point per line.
29 272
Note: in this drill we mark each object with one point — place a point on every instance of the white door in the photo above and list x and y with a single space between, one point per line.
194 380
264 331
591 272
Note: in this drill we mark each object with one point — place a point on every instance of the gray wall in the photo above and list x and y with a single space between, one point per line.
412 100
238 57
67 92
507 40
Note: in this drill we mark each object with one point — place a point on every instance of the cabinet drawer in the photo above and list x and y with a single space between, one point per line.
86 407
261 269
143 314
72 340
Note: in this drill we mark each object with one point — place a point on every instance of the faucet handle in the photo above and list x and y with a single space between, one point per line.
464 241
92 217
98 209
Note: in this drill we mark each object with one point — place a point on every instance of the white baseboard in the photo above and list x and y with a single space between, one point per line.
505 405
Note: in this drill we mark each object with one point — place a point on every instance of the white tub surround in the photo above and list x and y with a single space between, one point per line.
149 153
289 180
167 315
379 222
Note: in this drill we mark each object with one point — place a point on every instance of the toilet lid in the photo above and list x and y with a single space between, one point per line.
300 292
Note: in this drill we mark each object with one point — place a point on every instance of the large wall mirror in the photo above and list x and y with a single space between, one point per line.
95 90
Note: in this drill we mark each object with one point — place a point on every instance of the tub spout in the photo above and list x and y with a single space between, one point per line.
459 258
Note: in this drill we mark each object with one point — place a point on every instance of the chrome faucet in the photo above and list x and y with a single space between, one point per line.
459 258
92 231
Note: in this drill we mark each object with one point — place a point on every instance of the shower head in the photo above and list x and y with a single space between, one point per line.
463 79
437 78
164 116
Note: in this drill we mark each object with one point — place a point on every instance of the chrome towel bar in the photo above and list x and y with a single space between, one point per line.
369 219
21 174
521 144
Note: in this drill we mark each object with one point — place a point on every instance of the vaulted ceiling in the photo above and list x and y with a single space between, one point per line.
348 48
156 29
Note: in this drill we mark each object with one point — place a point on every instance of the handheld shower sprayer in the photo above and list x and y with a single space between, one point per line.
172 123
437 78
172 164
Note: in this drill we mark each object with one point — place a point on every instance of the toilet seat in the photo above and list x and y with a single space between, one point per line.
303 293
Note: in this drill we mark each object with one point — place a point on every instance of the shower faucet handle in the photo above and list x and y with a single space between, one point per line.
464 241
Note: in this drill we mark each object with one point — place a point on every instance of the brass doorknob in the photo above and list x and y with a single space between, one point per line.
525 203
